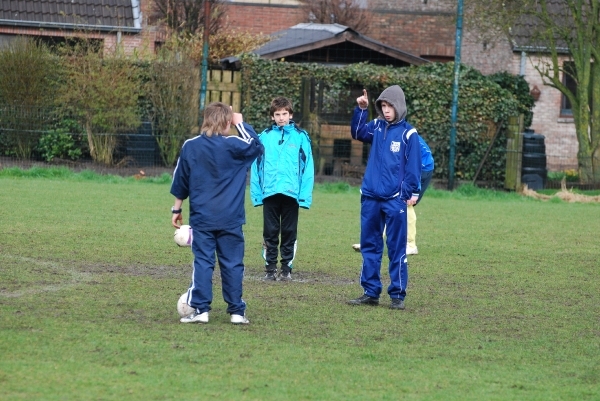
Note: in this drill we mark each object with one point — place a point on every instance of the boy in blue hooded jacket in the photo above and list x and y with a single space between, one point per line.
282 181
390 184
427 166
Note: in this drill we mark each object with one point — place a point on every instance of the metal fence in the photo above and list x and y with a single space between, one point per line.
43 137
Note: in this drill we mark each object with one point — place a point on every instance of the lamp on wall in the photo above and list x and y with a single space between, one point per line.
535 93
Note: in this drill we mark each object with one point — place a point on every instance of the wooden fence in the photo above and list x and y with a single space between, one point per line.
224 86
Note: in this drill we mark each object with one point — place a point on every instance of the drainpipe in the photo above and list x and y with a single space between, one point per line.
204 71
523 64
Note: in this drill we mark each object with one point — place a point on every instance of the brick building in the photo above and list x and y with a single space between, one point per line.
424 28
110 21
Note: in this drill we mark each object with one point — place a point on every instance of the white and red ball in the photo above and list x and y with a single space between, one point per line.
184 236
182 307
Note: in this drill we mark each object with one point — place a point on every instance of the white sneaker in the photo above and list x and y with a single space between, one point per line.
239 319
195 318
356 247
410 250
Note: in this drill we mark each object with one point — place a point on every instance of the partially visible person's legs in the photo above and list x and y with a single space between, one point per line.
230 252
372 223
271 230
411 245
371 231
203 247
396 223
289 234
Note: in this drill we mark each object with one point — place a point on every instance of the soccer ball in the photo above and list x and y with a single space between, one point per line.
182 307
183 236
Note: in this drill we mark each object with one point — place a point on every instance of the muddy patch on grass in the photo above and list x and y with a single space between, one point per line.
251 274
48 276
137 270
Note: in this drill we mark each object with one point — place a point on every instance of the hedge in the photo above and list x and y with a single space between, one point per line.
484 103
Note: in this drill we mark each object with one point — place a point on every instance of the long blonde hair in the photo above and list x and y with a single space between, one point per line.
216 117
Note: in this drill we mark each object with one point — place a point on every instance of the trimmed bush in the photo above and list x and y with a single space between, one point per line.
484 106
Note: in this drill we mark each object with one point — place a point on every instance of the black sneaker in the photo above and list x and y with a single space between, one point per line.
364 300
397 304
285 276
270 276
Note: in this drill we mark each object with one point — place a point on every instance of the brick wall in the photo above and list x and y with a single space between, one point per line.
487 57
560 137
263 19
423 6
559 132
419 34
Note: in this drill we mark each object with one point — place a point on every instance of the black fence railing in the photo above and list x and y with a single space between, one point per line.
44 137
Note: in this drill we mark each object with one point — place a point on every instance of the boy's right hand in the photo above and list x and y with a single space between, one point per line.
237 118
363 101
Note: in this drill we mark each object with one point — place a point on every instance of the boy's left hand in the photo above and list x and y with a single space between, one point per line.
412 201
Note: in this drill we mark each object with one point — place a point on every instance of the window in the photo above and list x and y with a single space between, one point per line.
566 109
342 148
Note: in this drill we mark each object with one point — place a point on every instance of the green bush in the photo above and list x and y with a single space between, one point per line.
518 86
568 175
60 144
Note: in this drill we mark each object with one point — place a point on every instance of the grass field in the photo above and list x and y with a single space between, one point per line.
503 301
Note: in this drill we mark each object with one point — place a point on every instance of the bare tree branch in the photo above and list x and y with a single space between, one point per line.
351 13
187 16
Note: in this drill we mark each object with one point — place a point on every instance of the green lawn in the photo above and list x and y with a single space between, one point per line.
503 302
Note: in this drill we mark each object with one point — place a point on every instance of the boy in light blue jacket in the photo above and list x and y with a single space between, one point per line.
282 181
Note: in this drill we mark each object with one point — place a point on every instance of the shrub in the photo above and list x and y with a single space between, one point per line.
101 91
518 86
27 70
568 175
171 90
60 144
484 106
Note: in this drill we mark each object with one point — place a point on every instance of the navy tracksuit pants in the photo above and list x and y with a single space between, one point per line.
375 214
229 248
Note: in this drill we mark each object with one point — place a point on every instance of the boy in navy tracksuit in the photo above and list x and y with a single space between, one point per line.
282 181
390 184
427 166
211 171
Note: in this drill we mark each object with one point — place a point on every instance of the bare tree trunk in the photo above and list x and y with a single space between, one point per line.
90 138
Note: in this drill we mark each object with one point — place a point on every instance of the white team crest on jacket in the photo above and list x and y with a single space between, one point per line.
395 147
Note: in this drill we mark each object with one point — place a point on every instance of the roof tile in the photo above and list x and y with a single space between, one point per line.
107 13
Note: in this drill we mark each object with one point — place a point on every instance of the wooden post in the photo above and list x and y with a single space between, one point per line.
514 151
310 120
